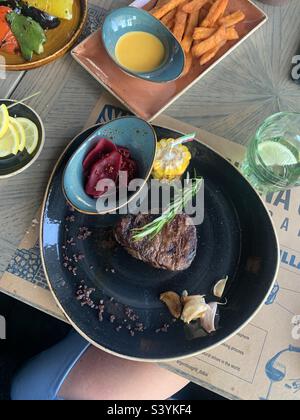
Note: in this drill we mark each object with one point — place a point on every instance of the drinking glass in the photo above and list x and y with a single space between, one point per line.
272 161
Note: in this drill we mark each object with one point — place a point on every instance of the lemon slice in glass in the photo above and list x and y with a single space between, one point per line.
31 134
4 120
276 154
9 143
21 132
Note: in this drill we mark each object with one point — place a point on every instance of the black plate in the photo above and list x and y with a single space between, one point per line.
236 239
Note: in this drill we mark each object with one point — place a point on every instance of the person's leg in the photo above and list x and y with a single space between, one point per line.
41 377
101 376
73 369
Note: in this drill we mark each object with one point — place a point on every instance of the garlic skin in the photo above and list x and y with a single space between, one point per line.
194 308
208 321
173 302
219 288
184 294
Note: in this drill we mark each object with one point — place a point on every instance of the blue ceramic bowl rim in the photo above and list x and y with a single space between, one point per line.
141 75
98 126
42 139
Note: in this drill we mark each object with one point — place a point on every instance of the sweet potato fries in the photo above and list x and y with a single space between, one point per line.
201 26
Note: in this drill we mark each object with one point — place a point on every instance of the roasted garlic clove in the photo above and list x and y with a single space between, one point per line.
195 307
173 302
219 288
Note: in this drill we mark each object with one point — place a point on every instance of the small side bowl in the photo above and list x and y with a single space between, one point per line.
131 132
130 19
14 165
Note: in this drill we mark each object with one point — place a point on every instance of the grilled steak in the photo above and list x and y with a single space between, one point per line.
174 248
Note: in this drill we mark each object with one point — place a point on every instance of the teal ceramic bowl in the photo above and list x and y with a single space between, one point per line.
131 132
15 164
130 19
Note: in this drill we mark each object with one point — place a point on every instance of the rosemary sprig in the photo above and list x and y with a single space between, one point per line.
155 227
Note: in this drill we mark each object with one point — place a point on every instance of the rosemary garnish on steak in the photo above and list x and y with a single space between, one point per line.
154 228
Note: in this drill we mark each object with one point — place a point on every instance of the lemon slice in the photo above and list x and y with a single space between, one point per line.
9 143
31 134
4 120
21 132
276 154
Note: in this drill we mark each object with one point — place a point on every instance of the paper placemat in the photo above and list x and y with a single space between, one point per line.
263 361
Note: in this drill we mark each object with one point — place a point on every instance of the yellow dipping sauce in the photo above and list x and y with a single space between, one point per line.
140 52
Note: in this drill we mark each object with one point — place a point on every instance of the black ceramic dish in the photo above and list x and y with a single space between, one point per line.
236 239
13 165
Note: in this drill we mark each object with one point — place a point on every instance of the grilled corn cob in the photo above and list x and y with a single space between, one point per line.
171 161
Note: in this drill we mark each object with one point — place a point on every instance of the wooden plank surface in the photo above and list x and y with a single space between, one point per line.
251 84
8 82
68 96
231 102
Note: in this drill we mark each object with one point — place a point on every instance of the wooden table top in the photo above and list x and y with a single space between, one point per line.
231 101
